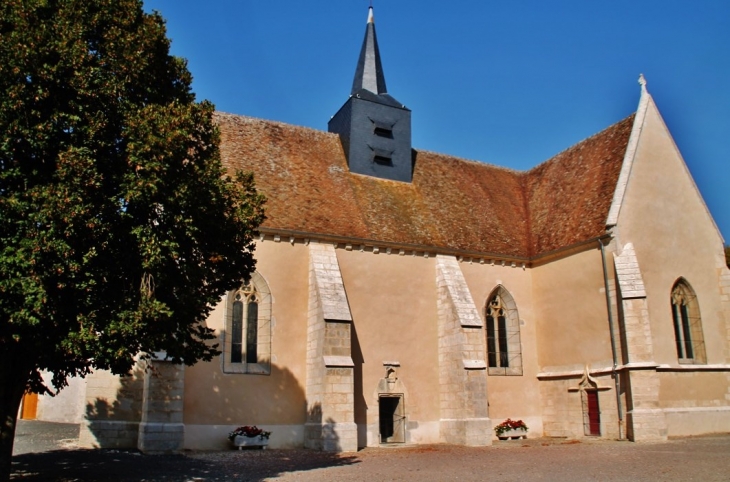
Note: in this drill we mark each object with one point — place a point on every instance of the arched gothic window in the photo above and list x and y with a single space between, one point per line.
504 350
687 324
247 338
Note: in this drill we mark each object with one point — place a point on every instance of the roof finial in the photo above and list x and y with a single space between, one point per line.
371 18
642 81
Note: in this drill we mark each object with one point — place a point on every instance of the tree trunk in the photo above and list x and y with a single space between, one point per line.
13 379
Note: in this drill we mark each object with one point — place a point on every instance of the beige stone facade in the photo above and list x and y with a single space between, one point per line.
596 305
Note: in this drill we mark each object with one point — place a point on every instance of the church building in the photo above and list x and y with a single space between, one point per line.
409 297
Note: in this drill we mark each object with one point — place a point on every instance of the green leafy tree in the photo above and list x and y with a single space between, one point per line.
118 229
727 256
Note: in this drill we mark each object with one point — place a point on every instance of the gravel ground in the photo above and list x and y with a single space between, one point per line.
32 436
686 459
700 459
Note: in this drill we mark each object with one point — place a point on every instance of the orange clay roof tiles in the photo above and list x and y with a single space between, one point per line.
569 195
451 203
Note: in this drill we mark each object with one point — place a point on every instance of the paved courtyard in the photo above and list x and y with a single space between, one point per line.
47 452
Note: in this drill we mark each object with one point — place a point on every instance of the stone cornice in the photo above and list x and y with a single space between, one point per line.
634 367
405 249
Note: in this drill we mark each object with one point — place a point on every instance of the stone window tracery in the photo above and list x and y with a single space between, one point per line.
504 349
687 323
247 337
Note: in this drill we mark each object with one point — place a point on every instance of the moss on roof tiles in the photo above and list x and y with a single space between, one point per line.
569 195
451 203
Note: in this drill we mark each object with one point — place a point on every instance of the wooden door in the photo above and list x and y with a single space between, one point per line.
30 406
399 422
594 413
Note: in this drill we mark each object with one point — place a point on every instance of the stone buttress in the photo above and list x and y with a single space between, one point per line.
161 429
462 368
330 384
645 419
142 410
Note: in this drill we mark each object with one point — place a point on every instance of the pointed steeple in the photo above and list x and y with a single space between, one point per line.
374 128
369 72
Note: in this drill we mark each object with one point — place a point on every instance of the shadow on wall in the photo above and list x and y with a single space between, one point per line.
212 396
215 403
113 410
330 440
361 406
127 402
314 414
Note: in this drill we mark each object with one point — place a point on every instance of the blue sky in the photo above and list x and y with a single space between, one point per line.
509 83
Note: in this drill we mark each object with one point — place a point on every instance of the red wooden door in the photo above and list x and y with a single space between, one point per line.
594 413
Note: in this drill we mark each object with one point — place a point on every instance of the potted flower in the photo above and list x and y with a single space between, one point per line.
511 429
249 436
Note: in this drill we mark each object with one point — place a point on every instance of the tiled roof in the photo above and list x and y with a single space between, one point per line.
569 195
452 203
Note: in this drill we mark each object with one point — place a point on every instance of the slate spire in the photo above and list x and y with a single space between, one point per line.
374 128
369 72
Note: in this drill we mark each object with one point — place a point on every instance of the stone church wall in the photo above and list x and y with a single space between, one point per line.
572 318
217 402
564 411
695 402
674 237
394 320
67 406
483 279
112 410
663 215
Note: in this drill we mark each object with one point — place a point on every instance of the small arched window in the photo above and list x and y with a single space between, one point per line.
247 341
504 350
688 337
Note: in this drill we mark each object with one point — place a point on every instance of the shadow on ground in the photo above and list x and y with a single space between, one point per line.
129 465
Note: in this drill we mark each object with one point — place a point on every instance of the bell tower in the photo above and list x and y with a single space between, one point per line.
375 129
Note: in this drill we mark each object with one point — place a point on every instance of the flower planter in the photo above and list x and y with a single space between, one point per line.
241 441
514 433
